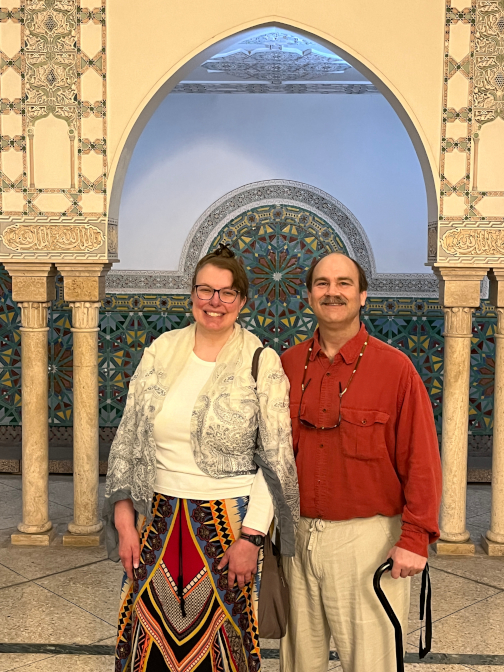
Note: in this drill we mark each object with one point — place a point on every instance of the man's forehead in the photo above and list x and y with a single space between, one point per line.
336 266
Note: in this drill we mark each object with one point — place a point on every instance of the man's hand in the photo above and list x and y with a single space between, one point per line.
406 563
242 558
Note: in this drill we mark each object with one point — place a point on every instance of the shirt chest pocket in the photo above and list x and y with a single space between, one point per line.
363 434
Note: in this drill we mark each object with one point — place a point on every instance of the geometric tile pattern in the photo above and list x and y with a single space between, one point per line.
277 313
276 244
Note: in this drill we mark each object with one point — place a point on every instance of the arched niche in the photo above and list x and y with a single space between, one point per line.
218 43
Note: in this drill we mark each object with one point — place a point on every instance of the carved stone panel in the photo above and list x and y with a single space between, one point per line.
37 237
56 165
471 152
50 240
475 244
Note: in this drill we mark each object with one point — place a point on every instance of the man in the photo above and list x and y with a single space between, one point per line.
369 476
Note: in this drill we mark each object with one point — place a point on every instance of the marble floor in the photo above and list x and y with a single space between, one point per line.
64 596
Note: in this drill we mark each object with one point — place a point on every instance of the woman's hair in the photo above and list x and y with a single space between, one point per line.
224 257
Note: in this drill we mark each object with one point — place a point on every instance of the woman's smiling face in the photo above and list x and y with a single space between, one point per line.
215 315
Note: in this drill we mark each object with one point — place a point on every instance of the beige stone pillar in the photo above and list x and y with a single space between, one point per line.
33 288
84 287
493 541
459 292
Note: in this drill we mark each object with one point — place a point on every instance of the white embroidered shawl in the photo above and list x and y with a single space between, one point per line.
224 423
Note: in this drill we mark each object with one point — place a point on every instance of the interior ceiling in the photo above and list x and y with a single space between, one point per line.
276 58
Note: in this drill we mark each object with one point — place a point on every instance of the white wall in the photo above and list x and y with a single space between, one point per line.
197 147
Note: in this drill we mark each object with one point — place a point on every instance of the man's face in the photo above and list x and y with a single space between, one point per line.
335 298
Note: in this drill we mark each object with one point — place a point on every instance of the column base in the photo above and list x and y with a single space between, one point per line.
84 540
73 528
491 547
40 539
34 529
455 547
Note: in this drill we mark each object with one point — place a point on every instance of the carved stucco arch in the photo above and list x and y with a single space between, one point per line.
278 192
206 51
273 192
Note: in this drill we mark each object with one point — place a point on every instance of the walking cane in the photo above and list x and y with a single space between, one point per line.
425 608
390 612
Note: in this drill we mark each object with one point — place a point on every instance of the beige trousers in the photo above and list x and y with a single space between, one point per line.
331 588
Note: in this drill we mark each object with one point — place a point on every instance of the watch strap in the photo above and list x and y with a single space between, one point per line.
255 539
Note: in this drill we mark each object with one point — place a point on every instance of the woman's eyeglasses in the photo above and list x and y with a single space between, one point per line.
206 293
304 387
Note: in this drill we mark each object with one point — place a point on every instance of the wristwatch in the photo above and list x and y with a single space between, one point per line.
256 539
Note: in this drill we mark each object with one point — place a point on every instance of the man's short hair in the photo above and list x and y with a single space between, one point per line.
363 283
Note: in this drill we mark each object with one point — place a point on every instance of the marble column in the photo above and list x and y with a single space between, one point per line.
459 296
493 541
33 288
457 358
84 287
85 319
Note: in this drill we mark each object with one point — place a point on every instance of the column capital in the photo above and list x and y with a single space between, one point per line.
34 315
500 323
496 294
32 281
460 287
85 315
83 281
458 322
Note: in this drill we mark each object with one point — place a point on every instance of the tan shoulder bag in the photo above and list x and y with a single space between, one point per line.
274 604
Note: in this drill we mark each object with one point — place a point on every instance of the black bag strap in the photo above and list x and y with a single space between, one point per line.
425 610
255 363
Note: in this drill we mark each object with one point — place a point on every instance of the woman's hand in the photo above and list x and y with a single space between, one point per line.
129 541
242 558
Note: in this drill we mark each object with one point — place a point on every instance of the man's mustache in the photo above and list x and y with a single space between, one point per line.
333 301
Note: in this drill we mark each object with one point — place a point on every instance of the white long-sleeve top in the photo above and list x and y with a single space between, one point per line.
177 473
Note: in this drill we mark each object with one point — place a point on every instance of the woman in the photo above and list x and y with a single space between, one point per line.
185 459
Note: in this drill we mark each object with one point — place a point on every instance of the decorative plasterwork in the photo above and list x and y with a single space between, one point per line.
113 238
23 237
273 192
278 39
48 238
348 88
473 97
488 103
52 64
50 52
277 57
473 241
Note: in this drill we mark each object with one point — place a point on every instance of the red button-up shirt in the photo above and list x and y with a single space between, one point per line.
384 457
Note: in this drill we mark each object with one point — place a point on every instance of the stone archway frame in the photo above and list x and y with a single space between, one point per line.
146 109
273 192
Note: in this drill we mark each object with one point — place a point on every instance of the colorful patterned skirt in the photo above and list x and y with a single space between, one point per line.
178 614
